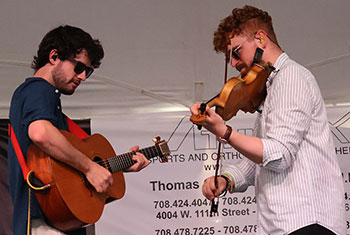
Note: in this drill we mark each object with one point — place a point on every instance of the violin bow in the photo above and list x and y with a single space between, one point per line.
215 202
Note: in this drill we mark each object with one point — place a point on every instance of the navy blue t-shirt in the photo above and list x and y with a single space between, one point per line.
35 99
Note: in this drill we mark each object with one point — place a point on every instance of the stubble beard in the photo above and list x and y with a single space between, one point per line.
58 76
242 68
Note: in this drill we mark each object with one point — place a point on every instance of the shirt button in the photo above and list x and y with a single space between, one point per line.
56 91
58 107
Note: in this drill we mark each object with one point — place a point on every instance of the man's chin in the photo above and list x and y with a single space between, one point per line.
243 72
68 92
243 69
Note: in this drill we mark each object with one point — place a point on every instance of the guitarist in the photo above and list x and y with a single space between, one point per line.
66 57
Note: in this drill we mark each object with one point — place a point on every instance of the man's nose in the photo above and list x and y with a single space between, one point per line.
234 62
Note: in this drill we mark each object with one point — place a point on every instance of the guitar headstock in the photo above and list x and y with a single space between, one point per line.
163 147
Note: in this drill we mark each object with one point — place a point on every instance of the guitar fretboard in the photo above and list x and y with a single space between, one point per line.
124 161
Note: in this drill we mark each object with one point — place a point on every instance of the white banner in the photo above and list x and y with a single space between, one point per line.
166 198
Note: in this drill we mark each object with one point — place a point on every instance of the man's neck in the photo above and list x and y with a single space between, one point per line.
45 73
272 55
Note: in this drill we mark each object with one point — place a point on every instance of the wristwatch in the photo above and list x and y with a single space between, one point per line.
225 138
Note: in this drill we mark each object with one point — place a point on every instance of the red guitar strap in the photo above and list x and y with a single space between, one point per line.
18 152
72 127
76 130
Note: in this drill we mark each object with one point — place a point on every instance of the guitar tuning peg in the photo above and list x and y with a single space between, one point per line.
156 139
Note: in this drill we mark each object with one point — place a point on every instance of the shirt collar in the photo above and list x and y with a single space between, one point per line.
53 88
278 65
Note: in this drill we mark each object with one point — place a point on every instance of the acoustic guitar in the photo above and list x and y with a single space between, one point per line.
71 202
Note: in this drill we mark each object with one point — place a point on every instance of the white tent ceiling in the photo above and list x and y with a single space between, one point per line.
158 53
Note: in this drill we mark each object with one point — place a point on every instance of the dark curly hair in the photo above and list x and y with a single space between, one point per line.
246 20
69 41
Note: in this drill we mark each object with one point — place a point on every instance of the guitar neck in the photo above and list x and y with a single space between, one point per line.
124 161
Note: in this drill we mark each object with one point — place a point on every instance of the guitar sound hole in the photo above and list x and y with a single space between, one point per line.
102 162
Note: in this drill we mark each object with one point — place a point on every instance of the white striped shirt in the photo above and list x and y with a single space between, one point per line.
299 182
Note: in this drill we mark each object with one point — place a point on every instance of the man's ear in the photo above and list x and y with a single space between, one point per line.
261 36
53 56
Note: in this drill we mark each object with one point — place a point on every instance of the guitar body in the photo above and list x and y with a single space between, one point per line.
71 202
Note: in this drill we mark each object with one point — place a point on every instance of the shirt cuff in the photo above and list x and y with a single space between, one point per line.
238 179
276 156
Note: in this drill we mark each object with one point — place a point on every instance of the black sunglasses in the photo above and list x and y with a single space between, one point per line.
235 52
81 67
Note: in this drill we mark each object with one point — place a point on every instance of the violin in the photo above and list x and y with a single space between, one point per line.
245 94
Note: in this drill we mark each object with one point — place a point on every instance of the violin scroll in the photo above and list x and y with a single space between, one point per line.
200 117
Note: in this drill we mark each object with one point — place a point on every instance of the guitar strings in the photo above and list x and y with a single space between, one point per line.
150 151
